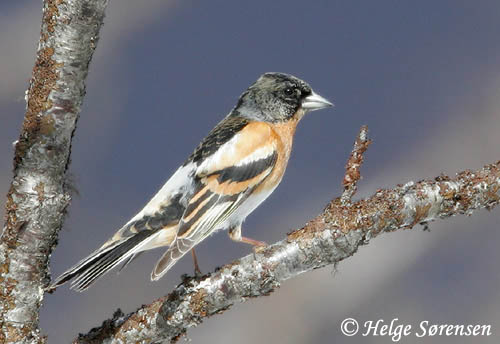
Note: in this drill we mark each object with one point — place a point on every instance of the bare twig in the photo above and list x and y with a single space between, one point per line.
329 238
37 198
352 168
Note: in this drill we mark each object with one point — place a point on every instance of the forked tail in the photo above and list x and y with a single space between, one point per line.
89 269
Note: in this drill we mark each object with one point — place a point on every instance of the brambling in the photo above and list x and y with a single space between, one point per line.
233 170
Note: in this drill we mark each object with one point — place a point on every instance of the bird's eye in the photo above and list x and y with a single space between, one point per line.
289 91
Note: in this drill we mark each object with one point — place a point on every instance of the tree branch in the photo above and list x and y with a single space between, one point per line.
37 198
331 237
352 168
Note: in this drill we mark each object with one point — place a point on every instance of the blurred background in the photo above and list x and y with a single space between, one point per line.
423 75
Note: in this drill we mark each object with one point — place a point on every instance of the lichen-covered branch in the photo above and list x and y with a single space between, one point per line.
352 168
331 237
37 198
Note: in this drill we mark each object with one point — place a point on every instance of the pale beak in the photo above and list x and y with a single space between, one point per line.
315 102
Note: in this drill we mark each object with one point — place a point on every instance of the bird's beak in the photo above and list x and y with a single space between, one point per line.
315 102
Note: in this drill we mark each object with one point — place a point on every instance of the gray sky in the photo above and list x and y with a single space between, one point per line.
423 75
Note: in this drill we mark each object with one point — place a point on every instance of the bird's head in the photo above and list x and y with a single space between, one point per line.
276 97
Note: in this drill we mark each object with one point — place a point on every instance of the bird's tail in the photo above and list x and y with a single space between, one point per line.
89 269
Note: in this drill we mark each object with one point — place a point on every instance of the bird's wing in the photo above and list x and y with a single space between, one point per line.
166 208
222 183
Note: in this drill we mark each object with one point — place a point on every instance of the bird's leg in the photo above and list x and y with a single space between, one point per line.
235 235
197 270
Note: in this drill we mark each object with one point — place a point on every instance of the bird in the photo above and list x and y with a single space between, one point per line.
229 174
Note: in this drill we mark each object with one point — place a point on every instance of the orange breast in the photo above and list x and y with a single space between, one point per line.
283 133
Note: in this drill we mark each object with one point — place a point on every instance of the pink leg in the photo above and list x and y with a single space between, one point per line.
252 242
197 270
235 235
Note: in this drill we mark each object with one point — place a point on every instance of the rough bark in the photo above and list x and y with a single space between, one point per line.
353 166
38 197
331 237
